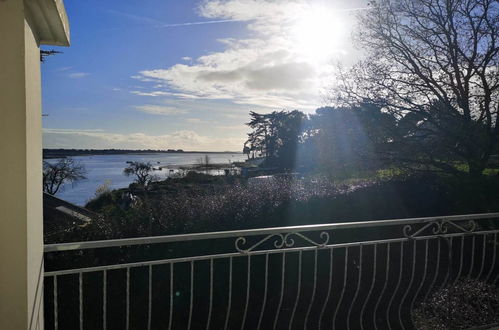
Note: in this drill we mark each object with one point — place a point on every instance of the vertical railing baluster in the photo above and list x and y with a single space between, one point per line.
298 290
422 279
170 317
127 323
229 302
483 256
436 273
397 287
80 298
104 299
314 289
343 288
264 290
461 257
404 297
149 302
248 282
373 281
283 270
56 317
447 276
449 260
387 267
472 263
493 259
330 282
211 295
357 289
191 300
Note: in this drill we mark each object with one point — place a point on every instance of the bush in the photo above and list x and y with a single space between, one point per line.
201 202
468 303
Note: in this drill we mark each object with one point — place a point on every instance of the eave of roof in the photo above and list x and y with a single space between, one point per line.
49 21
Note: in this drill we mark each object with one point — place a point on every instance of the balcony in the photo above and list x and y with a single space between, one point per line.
357 275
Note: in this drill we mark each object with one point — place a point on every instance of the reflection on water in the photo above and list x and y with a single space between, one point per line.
102 168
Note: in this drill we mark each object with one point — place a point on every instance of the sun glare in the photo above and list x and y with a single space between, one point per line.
317 33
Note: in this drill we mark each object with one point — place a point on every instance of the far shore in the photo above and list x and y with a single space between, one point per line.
61 153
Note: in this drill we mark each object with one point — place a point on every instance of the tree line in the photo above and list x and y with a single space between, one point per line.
358 137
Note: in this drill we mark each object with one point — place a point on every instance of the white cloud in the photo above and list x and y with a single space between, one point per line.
70 130
159 110
250 9
268 68
210 108
196 121
187 58
163 93
240 128
76 75
99 139
250 75
64 68
155 93
159 24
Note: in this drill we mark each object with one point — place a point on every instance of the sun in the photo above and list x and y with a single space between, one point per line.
317 33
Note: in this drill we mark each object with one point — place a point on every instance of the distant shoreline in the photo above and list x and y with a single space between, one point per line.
61 153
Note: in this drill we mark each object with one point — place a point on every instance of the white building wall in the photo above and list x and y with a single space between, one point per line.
14 188
21 216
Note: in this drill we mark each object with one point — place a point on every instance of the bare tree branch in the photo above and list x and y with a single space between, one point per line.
66 170
438 59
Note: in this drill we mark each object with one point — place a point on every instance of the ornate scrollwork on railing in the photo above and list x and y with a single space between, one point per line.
440 227
281 241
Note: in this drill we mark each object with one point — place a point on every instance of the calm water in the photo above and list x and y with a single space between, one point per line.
102 168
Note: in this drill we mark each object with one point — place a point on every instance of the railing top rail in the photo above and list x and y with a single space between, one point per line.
256 232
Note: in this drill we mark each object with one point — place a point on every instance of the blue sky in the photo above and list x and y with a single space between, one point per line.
184 74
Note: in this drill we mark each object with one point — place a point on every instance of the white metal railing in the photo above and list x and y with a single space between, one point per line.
355 275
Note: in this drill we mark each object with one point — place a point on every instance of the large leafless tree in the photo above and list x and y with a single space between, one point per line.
433 64
141 170
66 170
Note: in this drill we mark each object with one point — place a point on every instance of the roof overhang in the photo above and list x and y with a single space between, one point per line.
49 21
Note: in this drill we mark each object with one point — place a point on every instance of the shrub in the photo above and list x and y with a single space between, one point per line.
468 303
